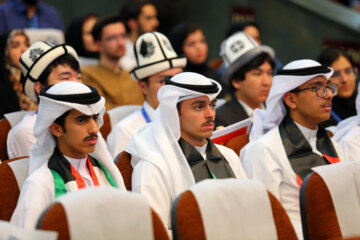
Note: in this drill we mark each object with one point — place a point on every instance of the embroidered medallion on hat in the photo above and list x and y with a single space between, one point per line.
36 59
239 49
154 54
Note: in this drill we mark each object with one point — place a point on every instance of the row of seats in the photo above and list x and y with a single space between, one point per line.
318 208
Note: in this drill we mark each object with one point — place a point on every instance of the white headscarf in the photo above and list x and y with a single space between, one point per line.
55 101
293 75
346 125
157 142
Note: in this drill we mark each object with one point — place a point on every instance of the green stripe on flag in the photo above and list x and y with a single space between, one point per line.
59 183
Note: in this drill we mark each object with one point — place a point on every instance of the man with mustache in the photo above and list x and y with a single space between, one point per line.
248 74
66 128
286 140
174 151
113 83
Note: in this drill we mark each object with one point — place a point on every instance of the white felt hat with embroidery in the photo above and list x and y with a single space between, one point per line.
36 59
154 54
239 49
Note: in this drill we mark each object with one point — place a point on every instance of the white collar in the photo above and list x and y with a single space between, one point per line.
249 111
77 163
202 150
149 111
308 133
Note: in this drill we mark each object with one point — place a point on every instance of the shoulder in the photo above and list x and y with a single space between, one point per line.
135 119
227 152
24 128
41 180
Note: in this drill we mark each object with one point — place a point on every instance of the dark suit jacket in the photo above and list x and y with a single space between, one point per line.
229 113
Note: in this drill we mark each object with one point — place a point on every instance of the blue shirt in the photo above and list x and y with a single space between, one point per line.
13 15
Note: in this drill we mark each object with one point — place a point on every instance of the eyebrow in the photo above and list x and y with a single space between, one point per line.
203 102
67 73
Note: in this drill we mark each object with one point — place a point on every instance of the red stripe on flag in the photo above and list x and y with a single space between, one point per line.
225 138
331 159
92 172
298 180
79 180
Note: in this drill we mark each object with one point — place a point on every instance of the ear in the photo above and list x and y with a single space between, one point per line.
236 83
56 130
38 86
98 45
290 100
143 87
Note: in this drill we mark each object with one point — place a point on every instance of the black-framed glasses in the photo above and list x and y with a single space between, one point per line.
321 91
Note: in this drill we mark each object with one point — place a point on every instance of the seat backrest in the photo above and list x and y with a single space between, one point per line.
58 217
10 231
51 35
237 143
118 113
8 122
123 163
325 211
4 131
11 180
193 212
106 127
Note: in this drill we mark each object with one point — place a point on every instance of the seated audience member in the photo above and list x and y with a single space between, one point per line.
12 45
174 152
348 134
28 14
189 41
78 35
151 71
140 16
112 82
343 104
66 129
248 74
42 65
286 140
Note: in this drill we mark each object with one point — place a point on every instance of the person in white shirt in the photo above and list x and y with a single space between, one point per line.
66 129
42 65
286 140
248 74
174 152
156 60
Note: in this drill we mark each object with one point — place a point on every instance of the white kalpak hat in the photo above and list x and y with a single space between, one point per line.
55 100
154 54
36 59
239 49
181 87
288 78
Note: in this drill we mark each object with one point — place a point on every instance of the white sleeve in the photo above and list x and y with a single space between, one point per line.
350 146
19 141
118 139
34 199
150 181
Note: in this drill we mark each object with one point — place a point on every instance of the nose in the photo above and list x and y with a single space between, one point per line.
266 79
329 94
210 112
93 126
344 77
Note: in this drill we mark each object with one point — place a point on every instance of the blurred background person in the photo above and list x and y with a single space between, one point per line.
189 40
29 14
140 16
345 73
78 35
12 45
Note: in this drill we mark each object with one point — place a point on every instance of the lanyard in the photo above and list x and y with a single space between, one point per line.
335 116
79 180
145 115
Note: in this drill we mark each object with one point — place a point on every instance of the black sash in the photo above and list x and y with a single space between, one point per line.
299 151
215 166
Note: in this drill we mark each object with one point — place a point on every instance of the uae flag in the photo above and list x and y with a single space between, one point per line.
224 135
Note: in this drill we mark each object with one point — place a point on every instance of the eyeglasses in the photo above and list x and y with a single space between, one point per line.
321 91
347 72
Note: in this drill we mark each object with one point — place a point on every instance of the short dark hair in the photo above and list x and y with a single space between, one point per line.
179 33
256 62
132 10
178 107
66 59
61 120
240 26
330 55
103 22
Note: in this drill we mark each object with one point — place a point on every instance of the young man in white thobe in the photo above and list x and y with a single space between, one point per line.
156 60
174 152
286 140
66 128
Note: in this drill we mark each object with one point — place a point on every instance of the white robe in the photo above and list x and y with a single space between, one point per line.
121 134
350 144
21 139
265 159
162 179
38 193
